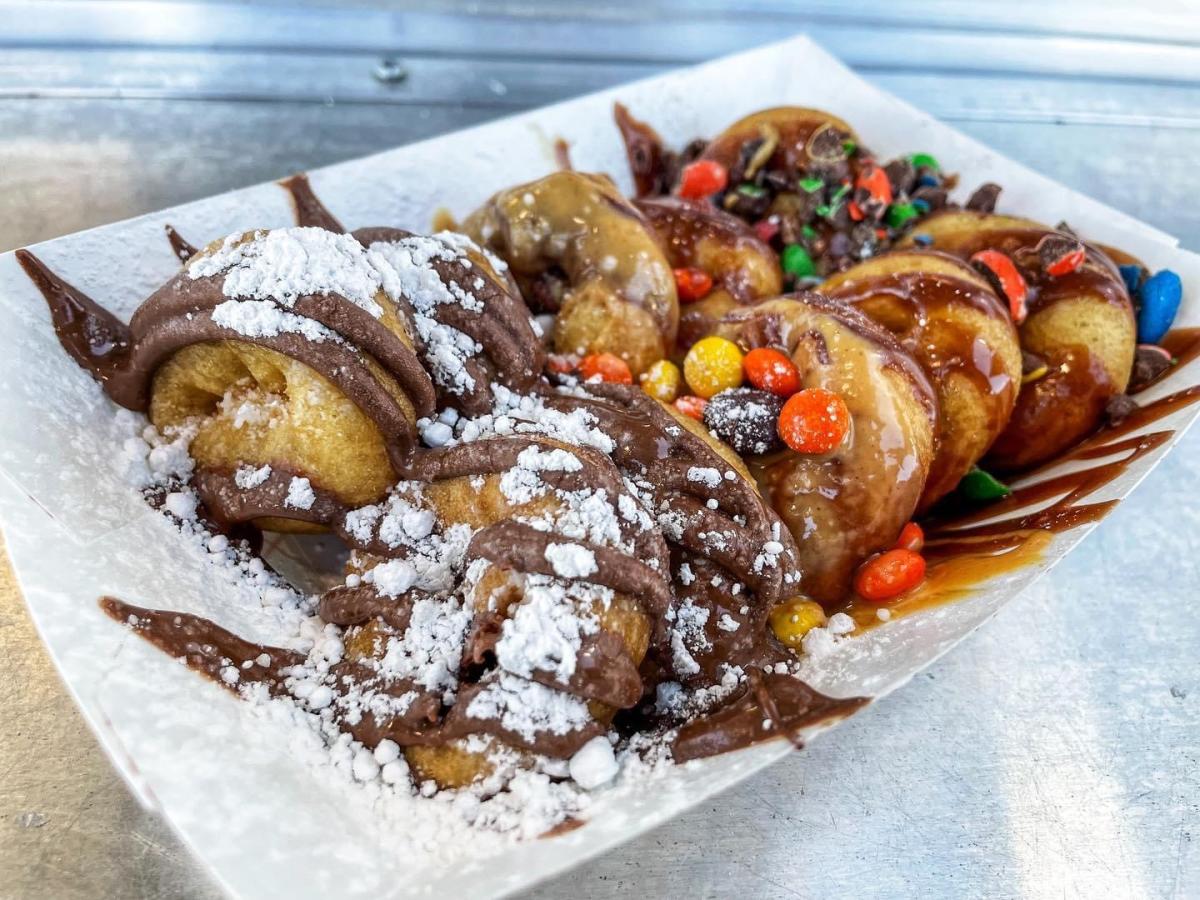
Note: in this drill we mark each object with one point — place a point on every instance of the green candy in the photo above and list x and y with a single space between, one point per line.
980 487
809 232
797 262
848 147
899 213
924 161
839 195
751 190
809 185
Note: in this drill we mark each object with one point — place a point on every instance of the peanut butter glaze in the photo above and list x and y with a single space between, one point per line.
743 268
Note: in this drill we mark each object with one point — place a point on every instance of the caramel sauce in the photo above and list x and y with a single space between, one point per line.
966 548
956 569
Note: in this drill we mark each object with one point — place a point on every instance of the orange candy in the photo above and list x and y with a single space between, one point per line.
692 284
888 575
912 537
605 367
1012 285
770 370
692 406
814 421
875 182
561 364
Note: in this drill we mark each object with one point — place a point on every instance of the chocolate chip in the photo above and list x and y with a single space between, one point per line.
745 419
984 198
934 196
901 175
1119 408
1149 362
777 180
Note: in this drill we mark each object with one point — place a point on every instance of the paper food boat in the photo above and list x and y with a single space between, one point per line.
241 789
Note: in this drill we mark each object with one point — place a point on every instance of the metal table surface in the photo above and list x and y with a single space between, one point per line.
1054 754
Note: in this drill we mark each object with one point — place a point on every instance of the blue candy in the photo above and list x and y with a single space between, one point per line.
923 240
1160 295
927 181
1132 276
921 205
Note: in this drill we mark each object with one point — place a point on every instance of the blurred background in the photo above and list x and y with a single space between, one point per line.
997 774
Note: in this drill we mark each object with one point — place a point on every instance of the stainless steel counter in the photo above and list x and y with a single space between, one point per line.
1055 754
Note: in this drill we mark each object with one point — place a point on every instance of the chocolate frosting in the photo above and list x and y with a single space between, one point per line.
652 449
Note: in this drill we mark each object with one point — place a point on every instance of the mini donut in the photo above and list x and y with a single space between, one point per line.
949 318
743 268
802 139
303 354
1080 326
578 248
251 404
845 505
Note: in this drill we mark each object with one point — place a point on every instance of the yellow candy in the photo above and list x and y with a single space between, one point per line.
713 365
662 381
793 619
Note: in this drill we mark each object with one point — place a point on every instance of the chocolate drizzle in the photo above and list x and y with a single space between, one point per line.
179 245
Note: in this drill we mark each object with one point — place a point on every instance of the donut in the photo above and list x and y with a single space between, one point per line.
951 321
802 178
581 250
742 269
1079 330
847 504
318 378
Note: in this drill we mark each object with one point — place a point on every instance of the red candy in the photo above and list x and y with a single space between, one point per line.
814 421
770 370
875 182
703 178
855 211
912 537
766 229
605 367
692 284
1011 283
888 575
692 406
1066 264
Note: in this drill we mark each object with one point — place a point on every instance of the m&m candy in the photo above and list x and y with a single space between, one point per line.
712 365
1159 296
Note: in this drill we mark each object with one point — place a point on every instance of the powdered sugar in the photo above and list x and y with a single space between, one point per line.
300 494
571 560
287 263
528 708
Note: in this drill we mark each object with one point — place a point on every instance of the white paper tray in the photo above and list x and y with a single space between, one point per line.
247 802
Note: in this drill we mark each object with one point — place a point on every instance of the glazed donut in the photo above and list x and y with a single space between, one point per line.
580 249
743 269
1080 328
951 321
845 505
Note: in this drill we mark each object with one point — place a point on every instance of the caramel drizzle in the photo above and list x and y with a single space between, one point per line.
972 530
